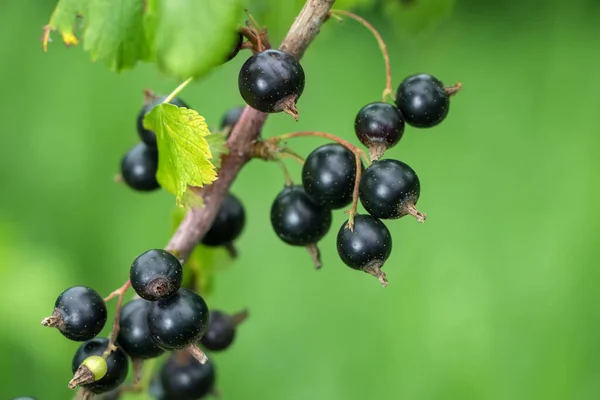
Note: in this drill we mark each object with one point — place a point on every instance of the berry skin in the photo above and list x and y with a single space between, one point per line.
231 118
178 321
134 334
296 219
229 223
79 313
328 176
379 126
367 247
117 364
184 378
138 168
422 100
148 136
155 274
271 82
389 189
221 330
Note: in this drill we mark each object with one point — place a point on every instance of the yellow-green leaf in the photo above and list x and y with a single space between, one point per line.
218 147
184 156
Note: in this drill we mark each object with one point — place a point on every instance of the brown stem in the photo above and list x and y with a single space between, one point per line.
198 354
286 174
231 250
454 89
315 254
388 91
358 152
288 153
115 329
239 317
198 220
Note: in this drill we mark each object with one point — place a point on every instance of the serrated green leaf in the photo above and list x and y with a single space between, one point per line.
115 33
416 16
184 161
193 36
218 147
63 20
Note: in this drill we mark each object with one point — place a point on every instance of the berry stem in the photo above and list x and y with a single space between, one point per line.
178 90
388 91
315 254
115 329
358 153
198 354
288 153
286 173
454 89
239 317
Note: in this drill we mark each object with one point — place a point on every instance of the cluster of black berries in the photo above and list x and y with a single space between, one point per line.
272 81
165 317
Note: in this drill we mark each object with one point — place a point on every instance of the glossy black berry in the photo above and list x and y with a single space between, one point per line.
390 189
179 320
221 330
272 81
148 136
231 118
116 362
422 100
296 219
228 224
134 334
155 274
328 176
79 313
184 378
366 247
138 168
379 126
237 46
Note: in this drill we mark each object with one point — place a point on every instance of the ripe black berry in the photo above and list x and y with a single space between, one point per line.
138 168
134 334
148 136
390 189
79 313
221 330
379 126
155 274
231 118
366 247
296 219
116 362
184 378
179 320
328 176
422 100
272 81
237 46
228 224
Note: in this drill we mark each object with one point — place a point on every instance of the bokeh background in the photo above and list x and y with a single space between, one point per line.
494 297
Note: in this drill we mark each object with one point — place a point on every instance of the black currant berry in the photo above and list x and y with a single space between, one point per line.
155 274
328 176
389 189
379 126
296 219
366 247
138 168
179 320
116 363
237 46
231 118
148 136
134 334
271 82
79 313
221 330
184 378
422 100
228 224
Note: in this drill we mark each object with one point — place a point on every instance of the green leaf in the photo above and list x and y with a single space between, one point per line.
193 36
184 161
218 147
416 16
63 20
115 33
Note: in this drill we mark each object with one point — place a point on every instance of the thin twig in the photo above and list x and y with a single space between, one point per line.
116 325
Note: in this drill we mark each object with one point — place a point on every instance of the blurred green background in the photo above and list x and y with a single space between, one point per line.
494 297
